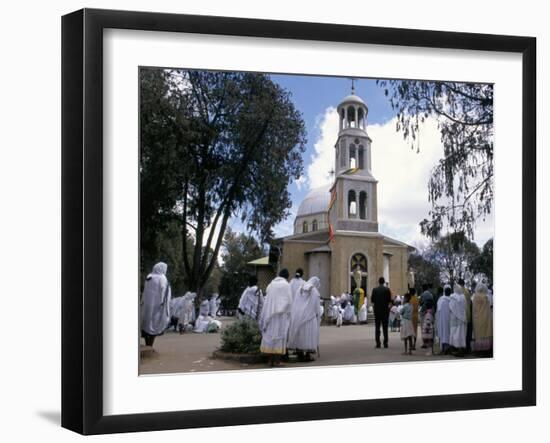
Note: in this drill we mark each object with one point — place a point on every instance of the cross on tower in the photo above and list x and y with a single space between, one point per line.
353 86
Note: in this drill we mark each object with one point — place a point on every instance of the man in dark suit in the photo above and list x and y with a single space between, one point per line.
381 301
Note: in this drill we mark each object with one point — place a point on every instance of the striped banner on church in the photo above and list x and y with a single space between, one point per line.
332 198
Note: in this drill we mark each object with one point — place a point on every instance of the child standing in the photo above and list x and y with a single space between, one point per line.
407 331
394 317
428 327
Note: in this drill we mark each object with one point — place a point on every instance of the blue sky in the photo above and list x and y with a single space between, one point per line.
312 95
402 173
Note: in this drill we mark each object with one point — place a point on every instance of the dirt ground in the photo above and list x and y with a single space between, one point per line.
353 344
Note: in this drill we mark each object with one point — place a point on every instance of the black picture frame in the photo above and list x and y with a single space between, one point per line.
82 218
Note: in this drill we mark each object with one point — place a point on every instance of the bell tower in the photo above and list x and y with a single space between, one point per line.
355 188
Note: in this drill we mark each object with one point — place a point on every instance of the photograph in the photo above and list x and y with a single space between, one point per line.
292 220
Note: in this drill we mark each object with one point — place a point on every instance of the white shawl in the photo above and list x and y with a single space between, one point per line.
155 301
278 300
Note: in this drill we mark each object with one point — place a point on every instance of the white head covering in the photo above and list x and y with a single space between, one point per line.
278 300
457 305
155 301
482 288
305 306
160 268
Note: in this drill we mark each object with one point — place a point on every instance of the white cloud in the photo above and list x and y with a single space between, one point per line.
286 227
322 161
300 182
402 174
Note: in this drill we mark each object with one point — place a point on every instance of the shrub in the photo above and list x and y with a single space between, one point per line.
242 337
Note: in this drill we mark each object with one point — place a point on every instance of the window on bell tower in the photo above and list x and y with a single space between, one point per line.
363 205
352 204
352 156
304 227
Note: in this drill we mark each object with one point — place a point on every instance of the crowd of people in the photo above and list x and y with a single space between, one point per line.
160 311
289 315
459 322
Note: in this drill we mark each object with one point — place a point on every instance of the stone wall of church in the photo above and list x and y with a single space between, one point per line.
343 248
294 255
398 268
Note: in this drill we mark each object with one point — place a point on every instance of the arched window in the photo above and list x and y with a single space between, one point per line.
352 204
304 227
362 205
361 116
361 162
342 119
351 117
352 156
314 225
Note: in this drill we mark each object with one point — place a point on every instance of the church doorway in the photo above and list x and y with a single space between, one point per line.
358 272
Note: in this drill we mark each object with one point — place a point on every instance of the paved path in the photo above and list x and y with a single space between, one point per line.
353 344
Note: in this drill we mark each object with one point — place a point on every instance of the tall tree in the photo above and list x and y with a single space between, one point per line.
238 250
455 254
425 269
483 263
460 188
216 145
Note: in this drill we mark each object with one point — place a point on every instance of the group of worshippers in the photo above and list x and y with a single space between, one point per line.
159 311
348 309
288 316
459 321
464 322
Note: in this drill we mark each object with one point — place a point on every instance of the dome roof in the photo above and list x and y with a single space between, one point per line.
317 200
352 98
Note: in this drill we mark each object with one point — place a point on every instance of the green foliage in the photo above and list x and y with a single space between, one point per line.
425 270
460 188
241 337
214 145
450 258
483 263
238 250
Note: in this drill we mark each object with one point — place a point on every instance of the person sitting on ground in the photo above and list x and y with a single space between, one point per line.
349 313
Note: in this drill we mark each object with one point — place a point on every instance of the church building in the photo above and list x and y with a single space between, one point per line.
336 232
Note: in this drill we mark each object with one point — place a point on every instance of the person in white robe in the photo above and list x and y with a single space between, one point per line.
296 282
185 314
443 321
204 308
349 313
363 312
275 318
155 304
303 334
214 305
175 308
251 301
203 320
458 320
